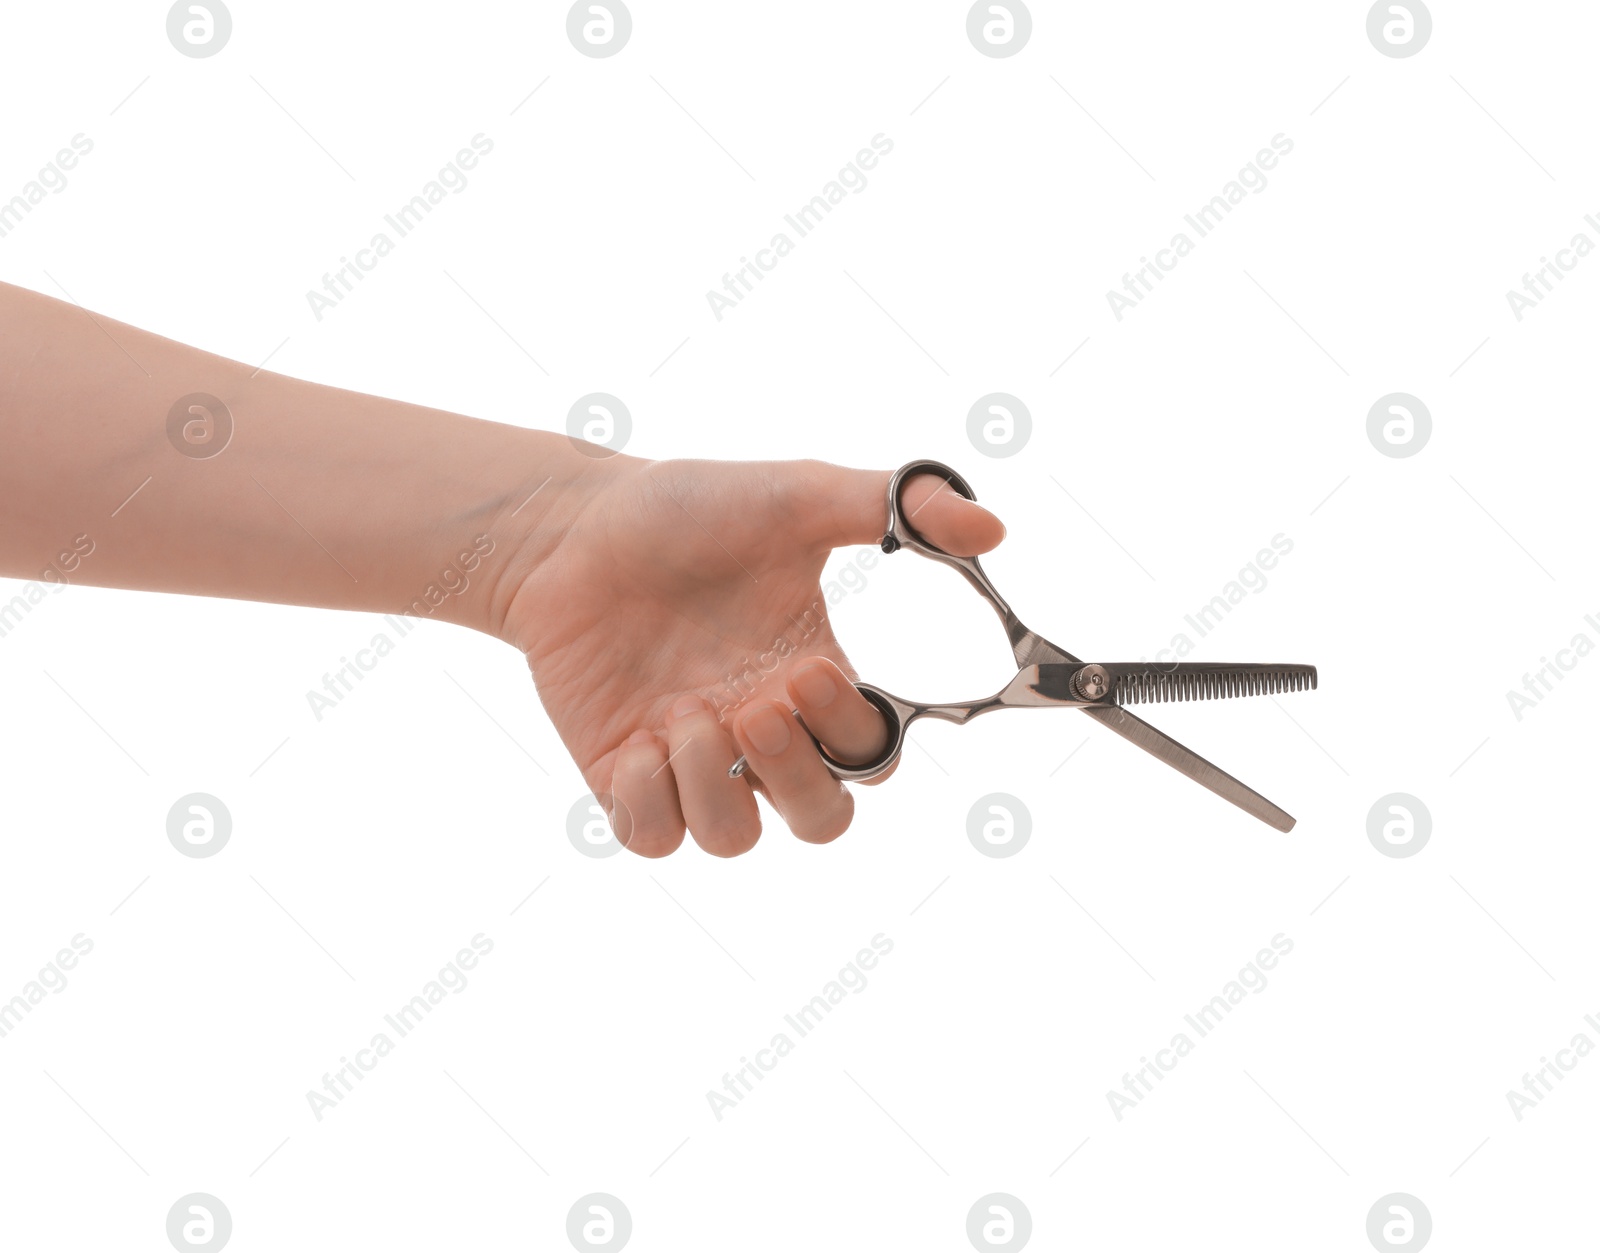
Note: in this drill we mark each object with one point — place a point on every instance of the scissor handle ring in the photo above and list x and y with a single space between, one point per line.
897 716
900 533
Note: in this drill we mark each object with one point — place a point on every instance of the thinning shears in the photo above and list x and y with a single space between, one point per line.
1049 677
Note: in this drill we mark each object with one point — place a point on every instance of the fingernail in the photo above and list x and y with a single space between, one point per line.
641 736
815 686
766 729
683 707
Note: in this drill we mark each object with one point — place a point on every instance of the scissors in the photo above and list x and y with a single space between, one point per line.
1049 677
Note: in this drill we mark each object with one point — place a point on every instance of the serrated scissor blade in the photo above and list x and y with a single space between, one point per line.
1137 683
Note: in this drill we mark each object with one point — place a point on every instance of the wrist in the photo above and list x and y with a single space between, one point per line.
542 484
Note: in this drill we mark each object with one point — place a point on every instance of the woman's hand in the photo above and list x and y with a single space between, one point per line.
671 611
679 620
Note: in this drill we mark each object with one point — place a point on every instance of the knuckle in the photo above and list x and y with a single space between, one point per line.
655 839
728 837
827 827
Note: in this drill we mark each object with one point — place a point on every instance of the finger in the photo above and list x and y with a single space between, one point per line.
843 720
816 806
947 519
720 812
838 506
646 817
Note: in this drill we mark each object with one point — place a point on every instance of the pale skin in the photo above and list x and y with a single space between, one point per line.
634 588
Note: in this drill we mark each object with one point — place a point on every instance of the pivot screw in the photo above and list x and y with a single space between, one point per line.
1091 683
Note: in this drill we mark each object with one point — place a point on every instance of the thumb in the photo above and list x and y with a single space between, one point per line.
844 506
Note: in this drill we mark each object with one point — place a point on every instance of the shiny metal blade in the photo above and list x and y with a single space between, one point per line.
1135 683
1190 763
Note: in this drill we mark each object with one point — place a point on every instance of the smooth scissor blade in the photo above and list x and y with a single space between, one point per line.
1158 744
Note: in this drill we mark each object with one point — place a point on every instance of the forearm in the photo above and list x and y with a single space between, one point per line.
317 497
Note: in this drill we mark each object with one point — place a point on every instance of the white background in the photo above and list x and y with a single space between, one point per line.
1221 412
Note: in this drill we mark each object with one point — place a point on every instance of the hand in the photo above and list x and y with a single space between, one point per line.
680 619
668 609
